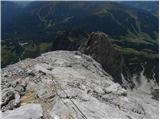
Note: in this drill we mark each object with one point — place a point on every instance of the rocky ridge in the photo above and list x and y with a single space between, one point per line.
99 46
65 84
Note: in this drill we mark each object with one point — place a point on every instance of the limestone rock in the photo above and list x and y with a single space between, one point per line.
68 84
29 111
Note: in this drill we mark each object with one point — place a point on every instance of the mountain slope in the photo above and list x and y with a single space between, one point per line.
112 18
151 6
84 90
9 11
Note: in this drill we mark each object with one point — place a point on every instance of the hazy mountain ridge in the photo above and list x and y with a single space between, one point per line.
48 17
151 6
9 10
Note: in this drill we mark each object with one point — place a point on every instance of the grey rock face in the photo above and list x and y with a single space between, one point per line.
11 94
28 111
68 85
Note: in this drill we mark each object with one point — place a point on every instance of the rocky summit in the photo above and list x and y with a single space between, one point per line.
68 84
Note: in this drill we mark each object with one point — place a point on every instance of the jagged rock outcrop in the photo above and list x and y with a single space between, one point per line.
99 46
68 84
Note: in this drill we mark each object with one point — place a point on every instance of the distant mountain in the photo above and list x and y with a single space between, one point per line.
151 6
9 10
22 3
49 17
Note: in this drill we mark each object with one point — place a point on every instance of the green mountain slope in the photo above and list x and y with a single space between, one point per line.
112 18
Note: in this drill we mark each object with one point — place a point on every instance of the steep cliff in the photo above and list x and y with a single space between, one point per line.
99 46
